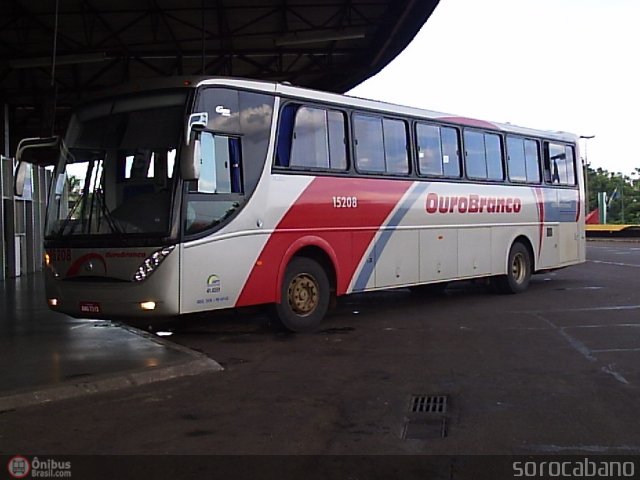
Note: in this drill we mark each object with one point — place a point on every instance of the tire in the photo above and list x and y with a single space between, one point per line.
518 271
305 296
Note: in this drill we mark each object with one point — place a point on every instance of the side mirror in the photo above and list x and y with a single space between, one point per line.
190 158
21 175
196 122
39 151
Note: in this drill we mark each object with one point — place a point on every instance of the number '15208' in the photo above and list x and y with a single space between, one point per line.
345 202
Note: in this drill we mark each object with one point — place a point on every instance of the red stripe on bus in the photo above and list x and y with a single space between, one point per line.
339 215
540 203
471 122
74 269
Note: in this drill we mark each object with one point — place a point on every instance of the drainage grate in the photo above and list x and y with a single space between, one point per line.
429 404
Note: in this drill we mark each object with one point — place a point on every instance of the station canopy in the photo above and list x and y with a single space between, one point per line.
329 45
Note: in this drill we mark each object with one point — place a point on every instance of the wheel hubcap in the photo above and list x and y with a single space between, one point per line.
519 268
303 294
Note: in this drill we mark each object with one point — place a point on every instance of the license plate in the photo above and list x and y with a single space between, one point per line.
89 307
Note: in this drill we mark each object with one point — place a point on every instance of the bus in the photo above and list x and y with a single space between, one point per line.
213 193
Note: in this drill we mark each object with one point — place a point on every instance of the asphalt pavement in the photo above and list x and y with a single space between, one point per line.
555 370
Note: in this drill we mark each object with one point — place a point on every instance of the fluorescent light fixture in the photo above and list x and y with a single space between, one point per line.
60 60
328 36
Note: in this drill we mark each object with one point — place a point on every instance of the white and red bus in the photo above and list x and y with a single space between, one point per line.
220 193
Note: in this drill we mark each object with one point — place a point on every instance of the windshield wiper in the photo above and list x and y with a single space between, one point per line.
112 222
66 221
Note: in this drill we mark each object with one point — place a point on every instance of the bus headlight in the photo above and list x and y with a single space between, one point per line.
49 264
151 263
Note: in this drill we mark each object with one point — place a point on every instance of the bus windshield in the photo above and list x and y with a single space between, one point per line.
116 173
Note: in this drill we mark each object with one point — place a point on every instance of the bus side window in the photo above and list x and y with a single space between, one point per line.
532 161
522 159
337 140
317 140
381 145
516 163
220 167
309 147
570 165
285 135
475 160
395 146
493 149
483 153
369 143
438 150
429 150
450 152
546 163
219 191
559 166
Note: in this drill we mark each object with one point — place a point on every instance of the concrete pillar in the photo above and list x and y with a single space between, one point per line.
3 187
11 264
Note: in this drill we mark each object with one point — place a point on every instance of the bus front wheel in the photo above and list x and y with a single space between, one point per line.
518 271
304 296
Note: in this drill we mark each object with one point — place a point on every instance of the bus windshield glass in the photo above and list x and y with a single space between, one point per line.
116 173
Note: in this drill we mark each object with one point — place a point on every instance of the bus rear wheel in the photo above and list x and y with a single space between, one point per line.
518 271
304 296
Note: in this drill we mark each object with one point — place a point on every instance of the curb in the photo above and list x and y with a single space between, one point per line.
106 383
198 363
614 239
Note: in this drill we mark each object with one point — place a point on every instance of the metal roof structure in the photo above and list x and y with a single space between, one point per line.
329 45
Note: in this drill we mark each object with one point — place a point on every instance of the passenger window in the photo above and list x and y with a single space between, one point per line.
493 147
429 150
483 152
311 138
309 147
523 160
285 135
438 150
395 146
369 144
532 161
516 159
475 161
450 151
337 140
381 145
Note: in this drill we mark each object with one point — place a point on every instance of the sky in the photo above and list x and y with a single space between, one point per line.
570 65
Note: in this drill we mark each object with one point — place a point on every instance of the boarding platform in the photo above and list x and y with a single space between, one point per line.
48 356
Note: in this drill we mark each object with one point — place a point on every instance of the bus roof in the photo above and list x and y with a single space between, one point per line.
291 91
308 94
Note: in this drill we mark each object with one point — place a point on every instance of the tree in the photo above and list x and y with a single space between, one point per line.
623 192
